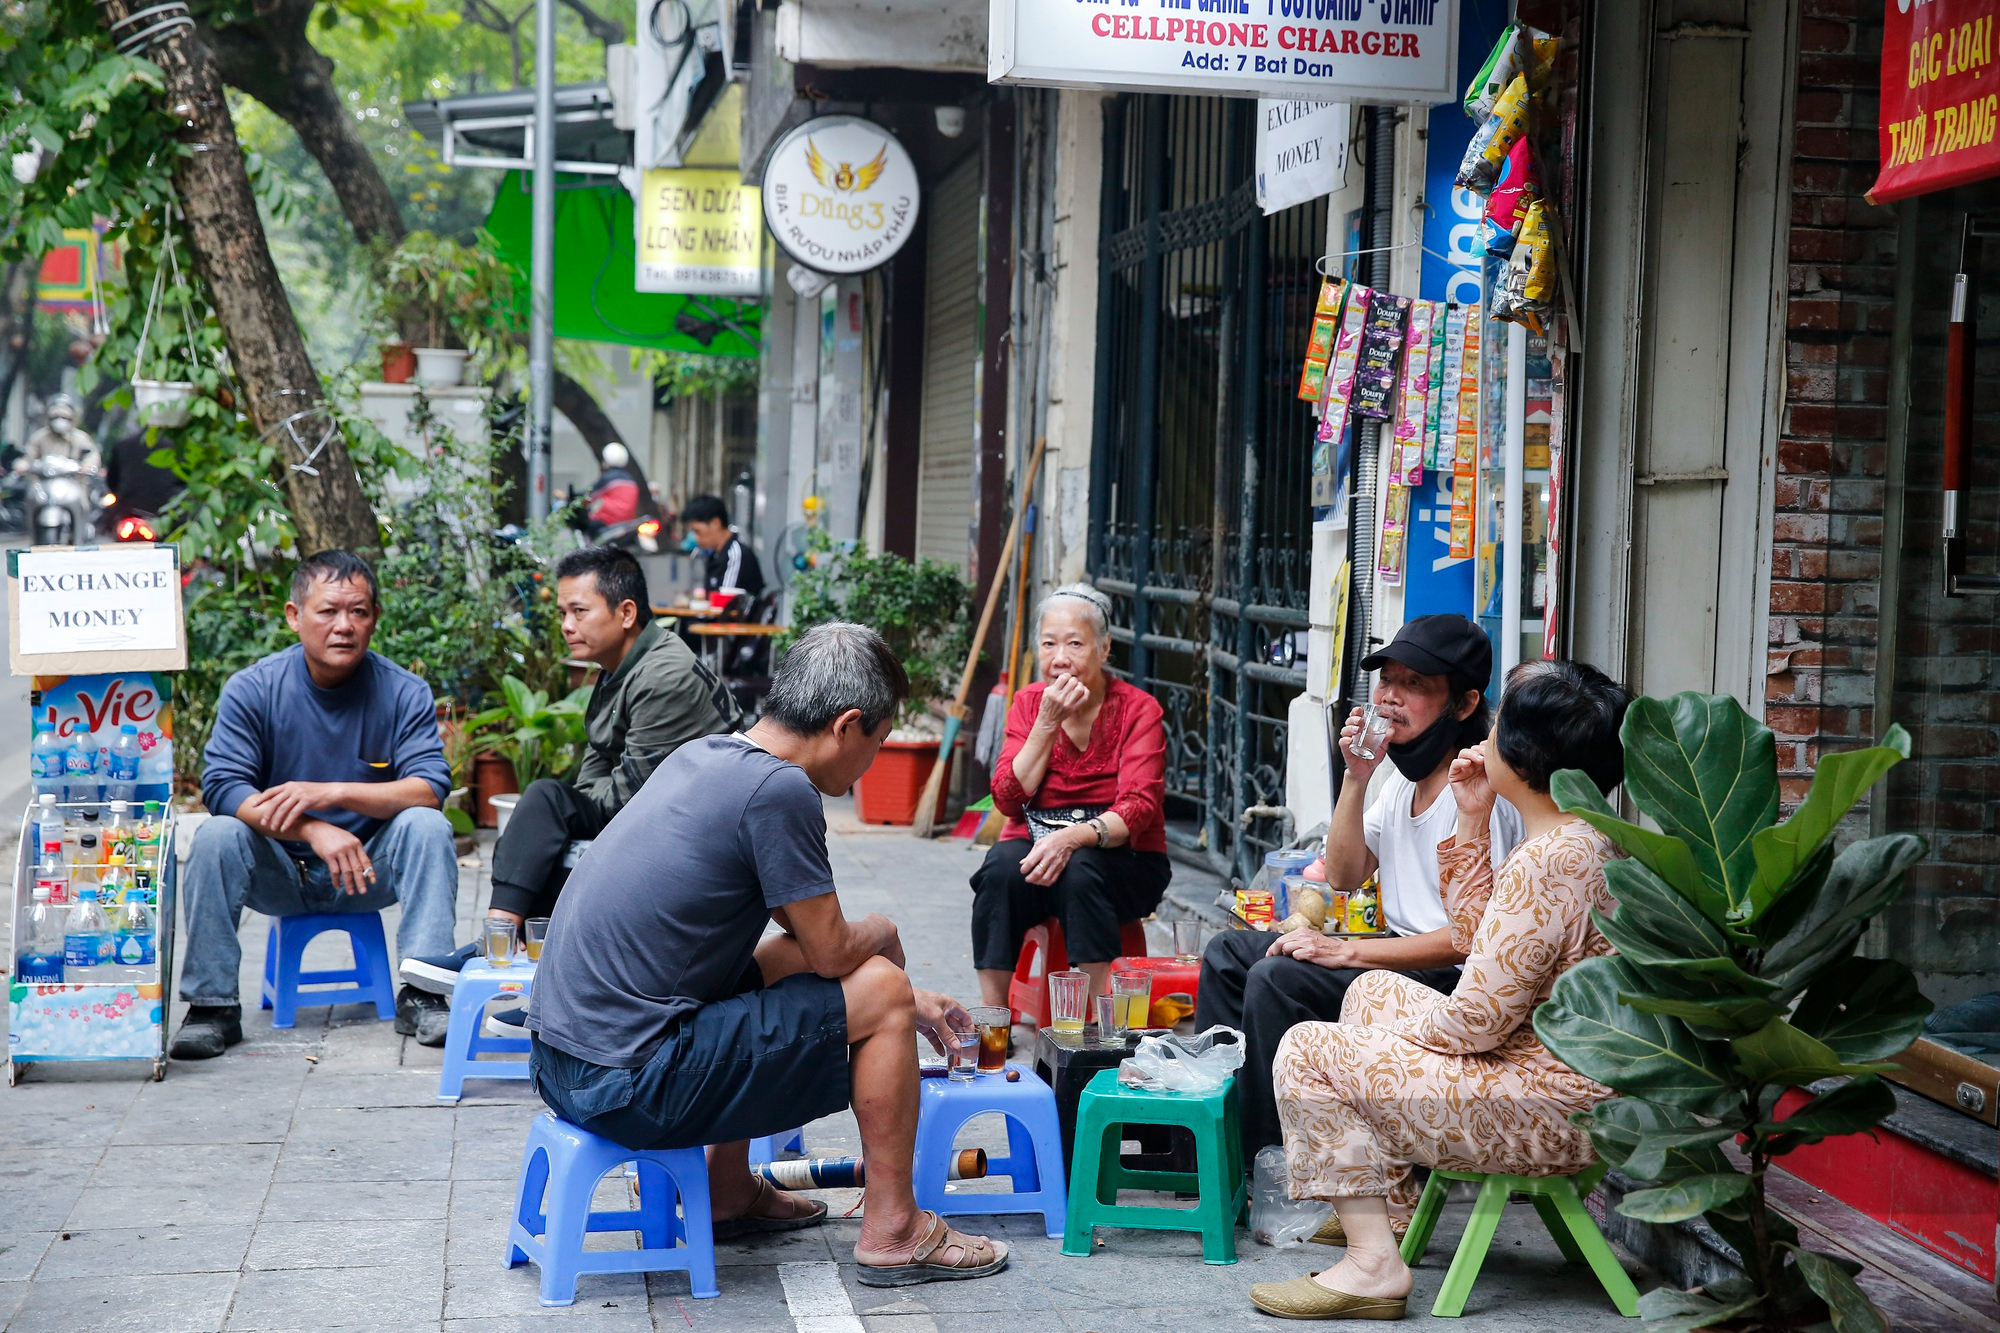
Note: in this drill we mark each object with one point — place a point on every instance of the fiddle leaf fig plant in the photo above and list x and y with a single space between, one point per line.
1735 981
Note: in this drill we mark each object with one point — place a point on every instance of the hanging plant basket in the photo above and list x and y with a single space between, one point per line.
163 403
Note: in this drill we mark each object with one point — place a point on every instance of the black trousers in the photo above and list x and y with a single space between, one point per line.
528 869
1099 889
1262 998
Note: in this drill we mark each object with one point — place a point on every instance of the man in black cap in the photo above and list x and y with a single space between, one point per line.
1430 684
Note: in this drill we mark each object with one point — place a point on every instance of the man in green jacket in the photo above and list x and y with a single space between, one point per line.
653 695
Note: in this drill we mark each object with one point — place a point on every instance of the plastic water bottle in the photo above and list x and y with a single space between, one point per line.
47 761
80 769
134 957
121 771
52 871
86 939
48 819
156 765
40 957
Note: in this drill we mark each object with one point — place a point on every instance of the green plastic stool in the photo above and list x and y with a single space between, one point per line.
1106 1107
1559 1199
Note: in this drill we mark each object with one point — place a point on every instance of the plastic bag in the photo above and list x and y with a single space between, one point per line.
1276 1218
1173 1063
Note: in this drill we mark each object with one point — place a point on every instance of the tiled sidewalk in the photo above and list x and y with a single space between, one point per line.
310 1179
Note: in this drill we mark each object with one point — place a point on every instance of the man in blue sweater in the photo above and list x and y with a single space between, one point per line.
326 778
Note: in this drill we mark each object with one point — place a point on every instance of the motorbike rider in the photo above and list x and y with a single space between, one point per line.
61 437
614 496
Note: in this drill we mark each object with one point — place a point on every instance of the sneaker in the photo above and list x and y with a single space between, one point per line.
208 1031
506 1023
423 1016
438 973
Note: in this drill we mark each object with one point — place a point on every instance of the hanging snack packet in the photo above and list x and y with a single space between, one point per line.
1522 294
1446 444
1519 183
1339 387
1521 50
1407 466
1381 355
1395 529
1319 343
1465 458
1480 167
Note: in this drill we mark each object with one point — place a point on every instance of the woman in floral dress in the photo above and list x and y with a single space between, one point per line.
1411 1076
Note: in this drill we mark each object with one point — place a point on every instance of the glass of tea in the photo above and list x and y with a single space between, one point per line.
533 933
497 935
996 1026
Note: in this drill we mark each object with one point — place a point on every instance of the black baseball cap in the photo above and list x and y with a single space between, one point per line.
1440 645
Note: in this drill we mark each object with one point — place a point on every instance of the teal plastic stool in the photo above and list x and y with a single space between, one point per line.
1107 1106
1559 1200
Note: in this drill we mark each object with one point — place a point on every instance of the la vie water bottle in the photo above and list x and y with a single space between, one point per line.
40 957
86 940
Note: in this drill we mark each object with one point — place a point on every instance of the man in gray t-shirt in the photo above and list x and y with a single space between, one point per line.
664 1018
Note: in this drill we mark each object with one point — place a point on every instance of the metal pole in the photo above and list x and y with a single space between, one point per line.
542 266
1513 446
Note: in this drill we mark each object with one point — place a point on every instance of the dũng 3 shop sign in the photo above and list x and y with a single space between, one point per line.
1365 51
840 194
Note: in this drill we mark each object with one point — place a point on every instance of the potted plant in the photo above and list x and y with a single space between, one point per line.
461 293
532 735
920 608
1736 981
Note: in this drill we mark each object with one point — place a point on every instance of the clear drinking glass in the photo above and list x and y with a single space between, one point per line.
964 1060
1108 1017
1069 999
996 1026
497 935
533 933
1375 724
1187 940
1133 994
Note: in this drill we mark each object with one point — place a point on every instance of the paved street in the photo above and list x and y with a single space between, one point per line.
311 1180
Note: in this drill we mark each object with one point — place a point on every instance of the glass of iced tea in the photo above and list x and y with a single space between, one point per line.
498 937
533 933
996 1026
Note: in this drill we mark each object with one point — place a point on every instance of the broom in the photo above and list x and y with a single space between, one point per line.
926 815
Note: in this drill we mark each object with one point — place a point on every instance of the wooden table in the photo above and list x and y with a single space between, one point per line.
732 629
682 611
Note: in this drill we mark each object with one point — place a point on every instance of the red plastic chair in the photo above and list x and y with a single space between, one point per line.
1043 945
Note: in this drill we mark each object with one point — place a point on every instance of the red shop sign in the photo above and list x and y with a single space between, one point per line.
1940 97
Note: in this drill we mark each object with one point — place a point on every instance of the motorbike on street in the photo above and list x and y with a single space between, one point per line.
63 499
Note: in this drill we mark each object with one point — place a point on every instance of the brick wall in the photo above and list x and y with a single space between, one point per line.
1826 556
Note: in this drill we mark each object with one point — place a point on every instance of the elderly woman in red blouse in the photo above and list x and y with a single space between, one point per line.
1081 779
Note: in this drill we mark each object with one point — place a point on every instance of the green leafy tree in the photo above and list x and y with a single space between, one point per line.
919 608
1736 980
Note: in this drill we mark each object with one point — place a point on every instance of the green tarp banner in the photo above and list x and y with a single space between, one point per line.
595 301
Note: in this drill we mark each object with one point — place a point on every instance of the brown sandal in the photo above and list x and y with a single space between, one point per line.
978 1257
755 1222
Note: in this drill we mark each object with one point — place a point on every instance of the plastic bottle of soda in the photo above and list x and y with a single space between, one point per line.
119 835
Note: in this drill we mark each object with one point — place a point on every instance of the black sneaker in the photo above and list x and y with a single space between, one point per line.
506 1023
423 1016
208 1031
437 974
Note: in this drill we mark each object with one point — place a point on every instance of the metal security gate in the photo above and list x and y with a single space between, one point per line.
1200 516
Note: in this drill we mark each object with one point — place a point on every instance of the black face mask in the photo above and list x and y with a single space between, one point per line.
1418 759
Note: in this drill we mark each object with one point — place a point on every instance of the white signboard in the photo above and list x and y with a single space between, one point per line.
1376 52
1301 151
840 194
112 599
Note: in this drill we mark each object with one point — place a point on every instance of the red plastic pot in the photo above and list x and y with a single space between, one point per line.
888 793
399 363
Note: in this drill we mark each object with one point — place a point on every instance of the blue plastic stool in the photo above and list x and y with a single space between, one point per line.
372 974
478 982
569 1162
767 1148
1034 1160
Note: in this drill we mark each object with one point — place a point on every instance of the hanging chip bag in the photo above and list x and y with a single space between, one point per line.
1519 183
1484 156
1521 296
1521 50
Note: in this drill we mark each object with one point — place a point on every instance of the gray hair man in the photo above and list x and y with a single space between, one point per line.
661 1021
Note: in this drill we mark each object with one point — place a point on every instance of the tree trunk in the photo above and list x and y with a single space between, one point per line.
269 355
16 309
275 62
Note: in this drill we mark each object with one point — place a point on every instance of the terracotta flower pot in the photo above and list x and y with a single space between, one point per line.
888 793
399 363
492 775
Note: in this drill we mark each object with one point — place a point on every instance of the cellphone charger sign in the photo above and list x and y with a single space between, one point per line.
1376 52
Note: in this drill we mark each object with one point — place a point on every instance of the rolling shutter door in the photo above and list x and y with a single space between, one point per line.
951 357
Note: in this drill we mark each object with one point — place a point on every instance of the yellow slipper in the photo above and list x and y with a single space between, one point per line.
1332 1233
1303 1298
